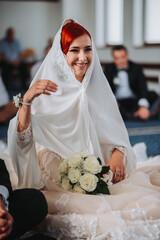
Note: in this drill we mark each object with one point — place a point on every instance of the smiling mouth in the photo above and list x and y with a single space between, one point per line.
81 64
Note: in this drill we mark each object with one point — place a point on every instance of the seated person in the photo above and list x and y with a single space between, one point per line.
20 210
128 83
64 112
155 111
12 59
7 108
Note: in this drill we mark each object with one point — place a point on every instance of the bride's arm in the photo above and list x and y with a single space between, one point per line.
38 88
116 164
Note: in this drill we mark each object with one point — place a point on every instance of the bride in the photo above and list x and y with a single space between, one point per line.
69 108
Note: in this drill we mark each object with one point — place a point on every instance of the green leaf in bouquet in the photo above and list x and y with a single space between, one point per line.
105 169
72 184
99 160
102 187
92 193
99 175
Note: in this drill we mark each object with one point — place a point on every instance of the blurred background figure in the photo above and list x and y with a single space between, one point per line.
155 111
12 60
36 66
128 83
7 108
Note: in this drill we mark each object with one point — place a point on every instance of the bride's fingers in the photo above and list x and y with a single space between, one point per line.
46 83
48 87
113 171
124 173
117 175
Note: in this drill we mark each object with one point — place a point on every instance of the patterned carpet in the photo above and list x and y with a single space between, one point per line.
147 132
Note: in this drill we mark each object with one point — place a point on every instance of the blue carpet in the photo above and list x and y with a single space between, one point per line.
147 132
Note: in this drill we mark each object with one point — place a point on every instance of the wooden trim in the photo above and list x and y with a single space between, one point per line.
144 45
151 44
153 66
150 65
152 79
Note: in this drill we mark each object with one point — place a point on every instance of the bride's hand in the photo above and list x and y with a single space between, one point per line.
117 166
38 88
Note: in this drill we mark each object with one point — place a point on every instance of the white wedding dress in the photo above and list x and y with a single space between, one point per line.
83 117
132 211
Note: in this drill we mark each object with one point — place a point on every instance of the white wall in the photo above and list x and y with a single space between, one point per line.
80 10
34 22
144 54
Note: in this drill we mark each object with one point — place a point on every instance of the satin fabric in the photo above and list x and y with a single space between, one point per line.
78 117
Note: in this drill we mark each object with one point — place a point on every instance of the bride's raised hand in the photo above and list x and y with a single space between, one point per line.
38 88
117 166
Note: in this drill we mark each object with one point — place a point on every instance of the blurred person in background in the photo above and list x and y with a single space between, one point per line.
129 85
7 108
11 56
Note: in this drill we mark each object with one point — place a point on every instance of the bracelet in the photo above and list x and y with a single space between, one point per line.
18 101
28 104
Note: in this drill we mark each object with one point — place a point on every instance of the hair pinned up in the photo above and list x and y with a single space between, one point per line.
70 31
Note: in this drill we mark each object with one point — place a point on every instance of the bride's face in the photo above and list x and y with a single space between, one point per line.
79 56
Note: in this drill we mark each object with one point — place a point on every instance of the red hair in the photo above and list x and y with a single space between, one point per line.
70 31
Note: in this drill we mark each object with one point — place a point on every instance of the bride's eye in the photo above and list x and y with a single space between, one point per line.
74 50
88 49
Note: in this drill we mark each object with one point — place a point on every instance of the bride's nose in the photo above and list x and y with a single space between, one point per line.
82 56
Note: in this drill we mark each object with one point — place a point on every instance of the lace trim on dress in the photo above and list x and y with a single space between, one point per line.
25 134
120 148
64 70
76 228
60 204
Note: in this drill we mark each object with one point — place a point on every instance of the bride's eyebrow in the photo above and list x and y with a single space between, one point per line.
75 47
89 46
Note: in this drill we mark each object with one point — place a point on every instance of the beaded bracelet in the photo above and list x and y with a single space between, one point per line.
18 101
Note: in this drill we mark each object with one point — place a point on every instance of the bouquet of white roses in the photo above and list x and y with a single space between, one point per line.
83 173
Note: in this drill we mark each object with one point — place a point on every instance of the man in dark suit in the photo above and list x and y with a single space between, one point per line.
128 83
20 210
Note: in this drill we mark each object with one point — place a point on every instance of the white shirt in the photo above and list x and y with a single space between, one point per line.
124 91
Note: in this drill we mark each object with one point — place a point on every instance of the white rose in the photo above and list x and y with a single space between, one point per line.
92 165
63 168
74 175
66 184
88 182
16 101
74 161
78 189
84 154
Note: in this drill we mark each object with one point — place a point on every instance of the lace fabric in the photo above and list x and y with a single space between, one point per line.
78 227
26 134
129 213
25 137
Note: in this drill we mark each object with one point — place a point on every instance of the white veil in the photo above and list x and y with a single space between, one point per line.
79 116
